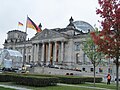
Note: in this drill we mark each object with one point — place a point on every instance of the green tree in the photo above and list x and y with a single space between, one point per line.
90 49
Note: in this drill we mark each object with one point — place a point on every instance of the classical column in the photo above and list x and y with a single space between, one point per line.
37 49
23 53
26 54
62 49
55 53
58 53
49 53
32 53
43 51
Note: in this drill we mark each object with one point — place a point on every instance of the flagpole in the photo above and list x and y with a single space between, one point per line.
26 25
25 45
17 26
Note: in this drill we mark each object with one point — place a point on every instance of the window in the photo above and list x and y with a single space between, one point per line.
83 69
77 46
100 70
77 58
110 70
91 69
29 50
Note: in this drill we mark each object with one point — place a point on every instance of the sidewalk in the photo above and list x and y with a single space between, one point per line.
83 86
60 84
14 87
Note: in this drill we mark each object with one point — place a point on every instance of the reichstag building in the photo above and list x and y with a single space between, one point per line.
58 46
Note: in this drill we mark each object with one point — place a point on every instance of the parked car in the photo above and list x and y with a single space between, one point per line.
116 79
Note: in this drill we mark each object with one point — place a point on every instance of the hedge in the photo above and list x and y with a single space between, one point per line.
29 80
91 79
78 80
6 78
45 80
70 79
36 81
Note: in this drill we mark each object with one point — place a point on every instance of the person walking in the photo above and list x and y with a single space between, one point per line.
108 78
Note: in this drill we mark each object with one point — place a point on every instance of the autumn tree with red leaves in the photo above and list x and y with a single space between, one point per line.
108 41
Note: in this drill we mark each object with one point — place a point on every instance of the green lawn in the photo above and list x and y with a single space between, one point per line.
62 88
99 85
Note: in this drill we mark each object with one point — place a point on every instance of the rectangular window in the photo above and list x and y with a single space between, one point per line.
77 46
100 70
91 69
83 69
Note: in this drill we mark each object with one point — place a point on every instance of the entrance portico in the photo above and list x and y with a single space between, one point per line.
51 52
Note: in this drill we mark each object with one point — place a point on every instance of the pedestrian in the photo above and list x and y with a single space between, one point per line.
108 78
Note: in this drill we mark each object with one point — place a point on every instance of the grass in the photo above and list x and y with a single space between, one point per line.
45 88
100 85
59 87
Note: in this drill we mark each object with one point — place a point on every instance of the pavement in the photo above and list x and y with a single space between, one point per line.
83 86
14 87
60 84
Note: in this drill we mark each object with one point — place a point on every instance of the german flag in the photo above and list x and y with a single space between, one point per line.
20 24
31 24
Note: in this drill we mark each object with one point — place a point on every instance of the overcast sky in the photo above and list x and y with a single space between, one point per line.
50 13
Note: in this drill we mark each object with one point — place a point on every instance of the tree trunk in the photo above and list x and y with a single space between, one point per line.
94 74
117 73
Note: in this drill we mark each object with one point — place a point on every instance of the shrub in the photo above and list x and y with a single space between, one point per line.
45 80
5 78
29 80
91 79
36 81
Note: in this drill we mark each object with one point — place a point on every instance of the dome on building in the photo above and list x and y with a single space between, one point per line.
83 26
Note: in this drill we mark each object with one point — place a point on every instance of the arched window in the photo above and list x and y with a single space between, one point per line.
77 58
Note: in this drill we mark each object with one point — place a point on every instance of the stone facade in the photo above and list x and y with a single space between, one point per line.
59 46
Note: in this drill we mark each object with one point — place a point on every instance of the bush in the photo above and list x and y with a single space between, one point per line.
70 79
45 80
36 81
91 79
29 80
5 78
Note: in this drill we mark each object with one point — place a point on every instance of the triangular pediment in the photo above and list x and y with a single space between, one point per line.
47 34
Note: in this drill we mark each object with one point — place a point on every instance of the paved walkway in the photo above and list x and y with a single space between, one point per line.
21 88
14 87
83 86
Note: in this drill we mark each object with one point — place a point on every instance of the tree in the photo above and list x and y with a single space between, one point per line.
90 50
108 41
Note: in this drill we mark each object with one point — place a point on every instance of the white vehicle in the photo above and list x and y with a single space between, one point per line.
10 59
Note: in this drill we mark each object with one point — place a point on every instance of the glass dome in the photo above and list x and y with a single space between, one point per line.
83 26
